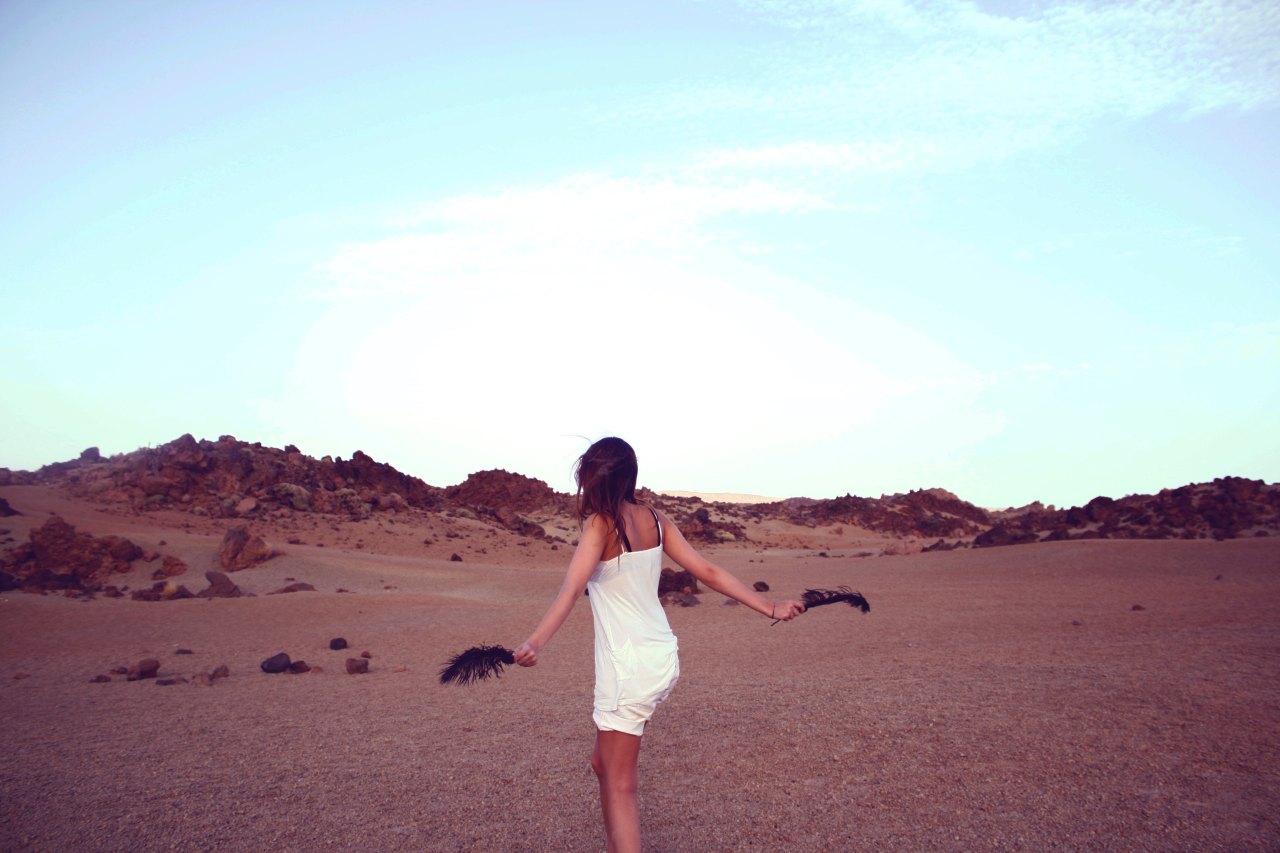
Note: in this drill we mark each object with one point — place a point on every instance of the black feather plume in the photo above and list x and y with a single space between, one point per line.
819 597
476 664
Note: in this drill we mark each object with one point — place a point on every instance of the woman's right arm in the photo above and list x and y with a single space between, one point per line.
722 581
581 565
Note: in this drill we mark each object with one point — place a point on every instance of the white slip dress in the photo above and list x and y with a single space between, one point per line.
637 660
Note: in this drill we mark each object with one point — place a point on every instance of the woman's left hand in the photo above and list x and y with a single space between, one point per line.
785 611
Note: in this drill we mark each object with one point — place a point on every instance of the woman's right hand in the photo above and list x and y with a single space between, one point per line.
526 654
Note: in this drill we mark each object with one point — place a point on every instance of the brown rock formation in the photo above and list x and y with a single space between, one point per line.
59 557
241 549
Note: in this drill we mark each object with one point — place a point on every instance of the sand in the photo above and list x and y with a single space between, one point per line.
1001 699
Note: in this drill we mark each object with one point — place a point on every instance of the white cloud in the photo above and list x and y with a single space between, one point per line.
871 86
503 323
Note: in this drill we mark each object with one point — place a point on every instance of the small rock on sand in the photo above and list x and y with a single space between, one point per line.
145 668
276 663
337 643
357 666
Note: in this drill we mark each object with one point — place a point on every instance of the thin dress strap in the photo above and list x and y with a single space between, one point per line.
622 534
657 522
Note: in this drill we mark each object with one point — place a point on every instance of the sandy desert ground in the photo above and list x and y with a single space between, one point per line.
1000 699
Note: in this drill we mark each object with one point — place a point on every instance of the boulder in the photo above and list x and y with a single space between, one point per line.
145 668
682 581
276 663
162 591
357 666
292 495
241 549
220 586
298 667
6 510
294 587
337 643
170 567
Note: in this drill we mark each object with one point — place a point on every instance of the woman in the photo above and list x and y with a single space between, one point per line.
619 560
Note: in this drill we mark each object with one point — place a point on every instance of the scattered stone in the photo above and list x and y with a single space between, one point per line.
220 586
298 667
202 679
170 567
241 549
684 599
184 652
276 663
759 586
337 643
1218 578
294 587
246 506
169 682
366 655
455 559
357 666
220 671
162 591
1076 622
1137 607
731 602
100 679
400 669
145 668
119 670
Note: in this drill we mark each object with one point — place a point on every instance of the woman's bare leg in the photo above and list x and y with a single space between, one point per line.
614 759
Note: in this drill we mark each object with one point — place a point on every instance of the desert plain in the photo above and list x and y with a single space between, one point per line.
1073 695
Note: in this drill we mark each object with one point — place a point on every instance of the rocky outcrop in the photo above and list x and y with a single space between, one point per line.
57 556
233 479
499 489
1227 508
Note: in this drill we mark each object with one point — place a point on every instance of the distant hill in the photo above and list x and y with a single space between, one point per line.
229 478
720 497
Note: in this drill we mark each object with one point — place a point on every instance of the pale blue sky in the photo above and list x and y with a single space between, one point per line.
1021 250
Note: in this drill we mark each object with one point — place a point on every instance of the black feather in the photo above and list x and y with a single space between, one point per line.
819 597
476 664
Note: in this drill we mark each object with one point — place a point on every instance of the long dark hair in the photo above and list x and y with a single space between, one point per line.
606 475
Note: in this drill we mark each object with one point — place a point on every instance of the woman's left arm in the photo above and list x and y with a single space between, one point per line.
584 561
722 581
